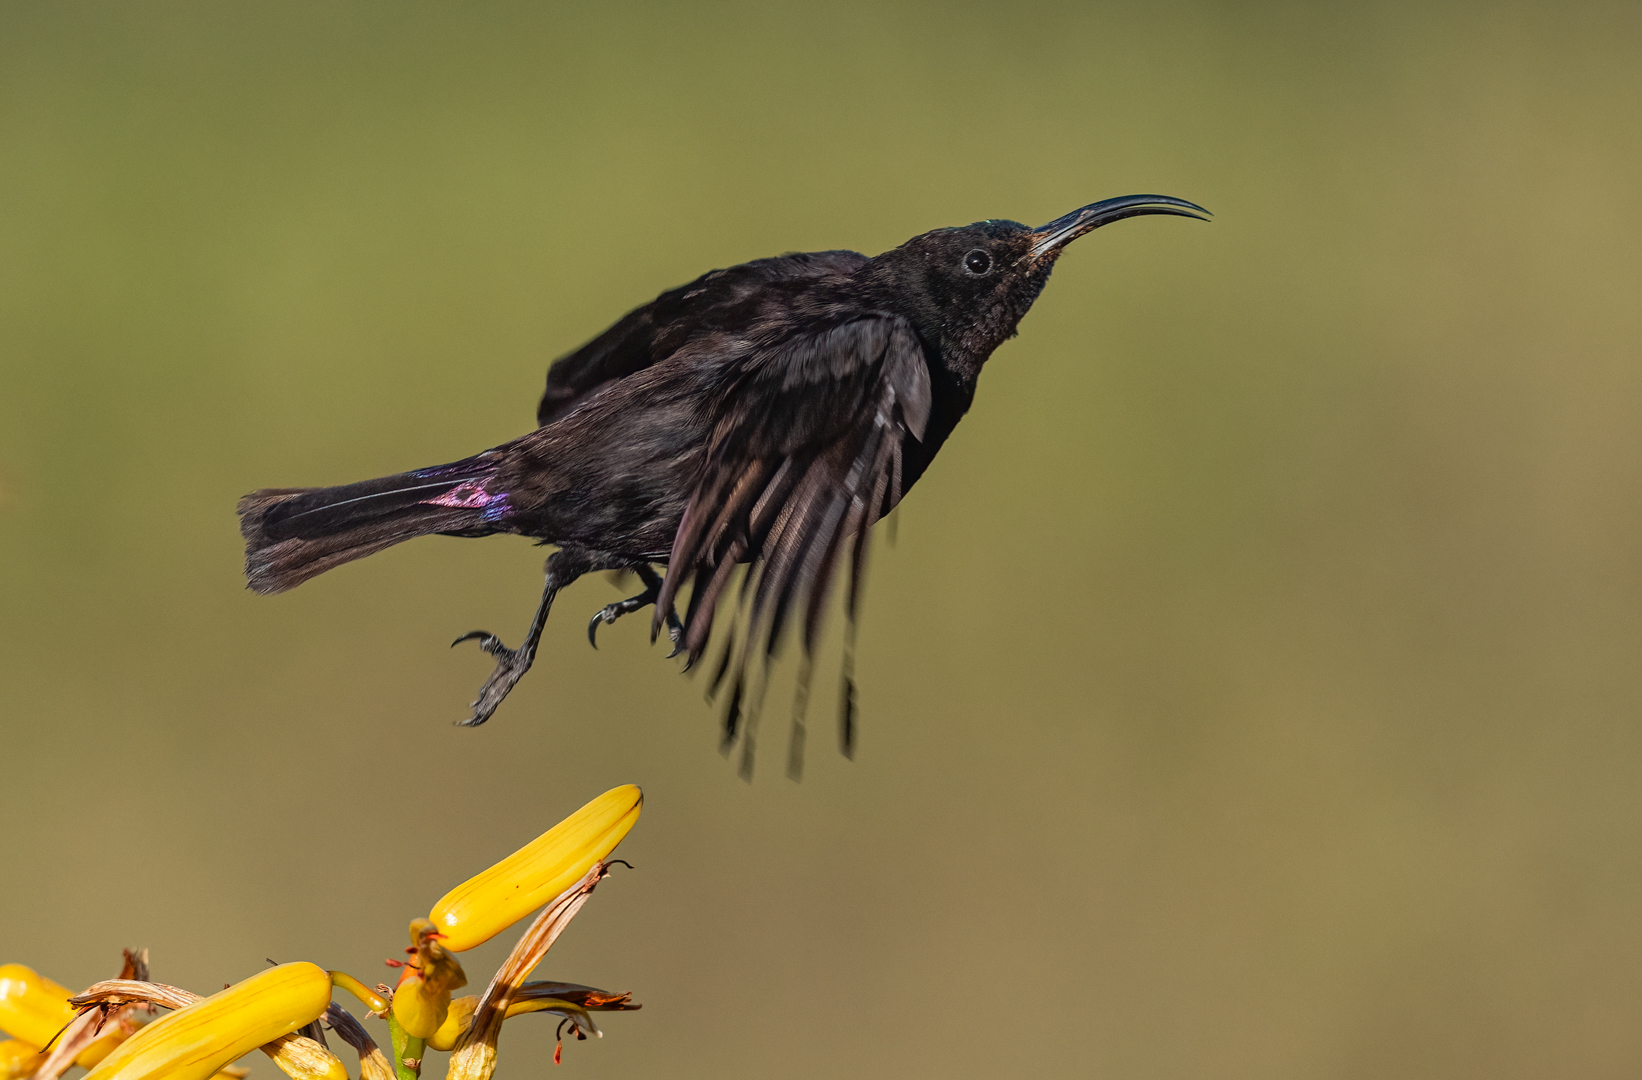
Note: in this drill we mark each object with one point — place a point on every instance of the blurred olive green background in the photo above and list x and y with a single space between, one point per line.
1253 688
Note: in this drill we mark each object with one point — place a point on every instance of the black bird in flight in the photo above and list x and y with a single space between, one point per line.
766 414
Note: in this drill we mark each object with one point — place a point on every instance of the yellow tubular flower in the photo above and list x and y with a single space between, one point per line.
35 1009
482 907
19 1059
32 1008
193 1043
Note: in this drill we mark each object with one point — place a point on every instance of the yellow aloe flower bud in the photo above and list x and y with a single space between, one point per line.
193 1043
19 1059
483 906
35 1009
423 998
32 1007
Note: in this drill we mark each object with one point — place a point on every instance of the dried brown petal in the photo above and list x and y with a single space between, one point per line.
135 966
89 1027
301 1058
133 991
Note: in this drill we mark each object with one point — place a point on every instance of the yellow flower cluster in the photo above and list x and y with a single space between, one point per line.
272 1009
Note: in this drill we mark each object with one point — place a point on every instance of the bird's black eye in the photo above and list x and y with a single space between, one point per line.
977 262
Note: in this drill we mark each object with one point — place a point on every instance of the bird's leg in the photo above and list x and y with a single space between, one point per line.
563 567
652 592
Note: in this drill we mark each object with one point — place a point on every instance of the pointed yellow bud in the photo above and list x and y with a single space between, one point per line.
193 1043
19 1059
35 1009
482 907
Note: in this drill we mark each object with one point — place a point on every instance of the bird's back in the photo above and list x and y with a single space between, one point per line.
717 301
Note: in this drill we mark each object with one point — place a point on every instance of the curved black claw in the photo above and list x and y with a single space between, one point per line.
609 613
511 664
652 592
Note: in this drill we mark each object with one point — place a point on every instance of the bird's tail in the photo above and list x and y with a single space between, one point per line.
292 534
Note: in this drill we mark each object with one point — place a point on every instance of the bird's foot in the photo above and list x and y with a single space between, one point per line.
611 612
511 664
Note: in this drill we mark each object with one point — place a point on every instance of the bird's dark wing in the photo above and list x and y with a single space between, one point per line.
803 457
716 301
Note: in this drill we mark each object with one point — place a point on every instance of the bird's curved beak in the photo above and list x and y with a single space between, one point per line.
1063 230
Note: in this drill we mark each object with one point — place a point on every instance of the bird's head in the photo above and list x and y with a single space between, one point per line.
965 289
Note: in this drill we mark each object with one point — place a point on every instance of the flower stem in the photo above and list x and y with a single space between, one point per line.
406 1049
